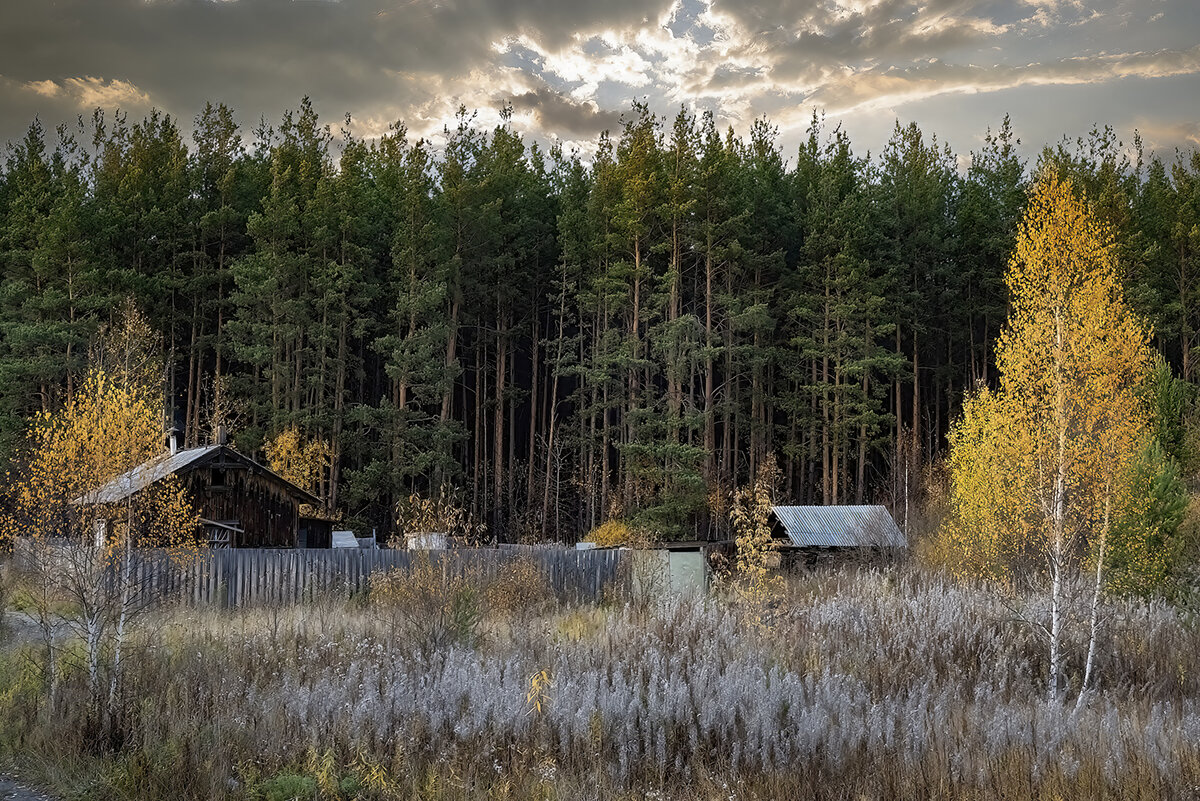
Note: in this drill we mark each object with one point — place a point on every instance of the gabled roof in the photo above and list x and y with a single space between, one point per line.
142 476
840 526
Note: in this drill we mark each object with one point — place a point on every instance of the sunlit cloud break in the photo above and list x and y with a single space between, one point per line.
570 69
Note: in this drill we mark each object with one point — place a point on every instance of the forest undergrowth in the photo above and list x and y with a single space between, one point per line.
859 682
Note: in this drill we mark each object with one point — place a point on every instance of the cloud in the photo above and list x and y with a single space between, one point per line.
875 89
89 92
261 56
564 116
1165 136
570 66
44 88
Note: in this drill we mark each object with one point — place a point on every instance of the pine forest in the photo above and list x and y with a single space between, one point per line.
555 341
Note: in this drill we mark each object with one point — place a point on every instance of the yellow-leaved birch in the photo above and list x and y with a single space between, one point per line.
304 462
1039 465
80 538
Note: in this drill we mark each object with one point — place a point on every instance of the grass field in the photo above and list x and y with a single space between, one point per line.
857 683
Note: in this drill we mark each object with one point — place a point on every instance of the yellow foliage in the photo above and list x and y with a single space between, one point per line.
82 536
1036 464
539 692
323 768
756 553
987 531
108 428
303 462
617 534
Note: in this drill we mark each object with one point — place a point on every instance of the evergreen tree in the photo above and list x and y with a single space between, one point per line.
51 291
554 342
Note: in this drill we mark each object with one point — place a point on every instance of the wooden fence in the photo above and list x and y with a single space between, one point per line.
246 577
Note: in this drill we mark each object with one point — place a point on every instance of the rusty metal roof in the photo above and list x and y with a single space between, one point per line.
840 526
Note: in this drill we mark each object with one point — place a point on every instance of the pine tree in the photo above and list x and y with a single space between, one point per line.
51 290
838 302
993 194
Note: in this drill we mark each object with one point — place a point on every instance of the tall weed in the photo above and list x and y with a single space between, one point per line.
875 683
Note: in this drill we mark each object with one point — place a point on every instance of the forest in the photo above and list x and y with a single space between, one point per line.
552 341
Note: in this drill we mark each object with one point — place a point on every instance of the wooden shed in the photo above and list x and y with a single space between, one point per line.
242 504
836 527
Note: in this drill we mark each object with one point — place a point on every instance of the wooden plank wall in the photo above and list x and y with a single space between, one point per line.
249 577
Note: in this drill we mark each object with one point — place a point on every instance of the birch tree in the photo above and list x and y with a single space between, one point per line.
78 532
1039 466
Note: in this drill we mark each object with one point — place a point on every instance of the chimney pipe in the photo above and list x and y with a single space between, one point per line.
172 441
222 435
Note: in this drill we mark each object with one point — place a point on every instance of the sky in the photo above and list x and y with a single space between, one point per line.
571 68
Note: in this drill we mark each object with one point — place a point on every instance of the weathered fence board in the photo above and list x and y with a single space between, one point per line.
247 577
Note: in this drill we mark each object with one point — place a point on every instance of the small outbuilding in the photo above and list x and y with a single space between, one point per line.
836 527
242 504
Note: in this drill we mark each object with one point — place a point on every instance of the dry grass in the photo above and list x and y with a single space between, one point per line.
866 683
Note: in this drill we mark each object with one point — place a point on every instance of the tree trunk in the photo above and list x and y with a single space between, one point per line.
498 429
916 398
339 406
1058 521
534 398
189 428
674 393
710 414
1094 618
826 432
635 332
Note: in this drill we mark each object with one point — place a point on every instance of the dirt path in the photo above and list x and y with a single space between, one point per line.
11 791
19 627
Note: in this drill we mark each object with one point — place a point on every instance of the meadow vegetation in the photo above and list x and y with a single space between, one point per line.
1042 644
854 682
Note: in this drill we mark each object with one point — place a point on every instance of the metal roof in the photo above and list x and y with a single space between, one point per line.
142 476
145 474
343 539
840 526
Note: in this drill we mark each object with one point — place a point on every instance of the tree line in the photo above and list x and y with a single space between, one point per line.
551 341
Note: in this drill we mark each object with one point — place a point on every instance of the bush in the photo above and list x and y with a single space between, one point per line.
1186 555
6 592
288 787
616 534
429 605
522 588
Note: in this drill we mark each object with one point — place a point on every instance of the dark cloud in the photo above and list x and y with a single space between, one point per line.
560 114
571 66
264 55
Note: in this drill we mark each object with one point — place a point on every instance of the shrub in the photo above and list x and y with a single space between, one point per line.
430 605
616 534
444 513
1186 555
757 556
288 787
6 592
523 587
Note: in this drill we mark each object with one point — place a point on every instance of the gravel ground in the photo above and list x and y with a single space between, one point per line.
18 627
11 791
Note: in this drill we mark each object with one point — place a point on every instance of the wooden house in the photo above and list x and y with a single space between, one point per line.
242 504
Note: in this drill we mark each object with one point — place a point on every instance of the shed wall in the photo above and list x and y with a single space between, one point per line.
260 504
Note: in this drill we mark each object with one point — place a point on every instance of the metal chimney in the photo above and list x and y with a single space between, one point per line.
222 435
173 441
